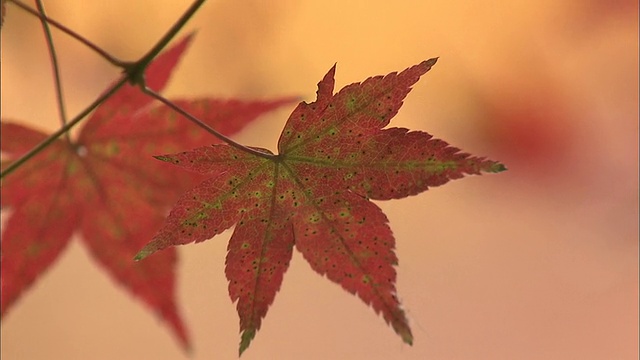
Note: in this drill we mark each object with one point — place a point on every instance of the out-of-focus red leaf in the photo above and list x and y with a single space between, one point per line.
530 128
334 155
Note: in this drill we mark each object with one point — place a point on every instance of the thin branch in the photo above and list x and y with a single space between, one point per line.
134 74
71 33
206 127
48 141
56 69
136 70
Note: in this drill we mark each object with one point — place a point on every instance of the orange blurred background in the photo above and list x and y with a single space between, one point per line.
540 262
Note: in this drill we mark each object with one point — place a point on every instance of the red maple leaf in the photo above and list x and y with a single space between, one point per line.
106 186
334 156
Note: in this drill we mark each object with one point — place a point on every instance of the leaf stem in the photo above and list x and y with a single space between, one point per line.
206 127
112 60
55 68
136 70
134 73
64 129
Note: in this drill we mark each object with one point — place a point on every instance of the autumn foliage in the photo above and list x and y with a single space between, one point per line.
335 155
96 184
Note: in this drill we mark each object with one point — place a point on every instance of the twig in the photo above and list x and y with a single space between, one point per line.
134 74
14 165
206 127
56 68
142 64
71 33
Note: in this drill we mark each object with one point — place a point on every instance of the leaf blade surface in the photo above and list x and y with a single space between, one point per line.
334 155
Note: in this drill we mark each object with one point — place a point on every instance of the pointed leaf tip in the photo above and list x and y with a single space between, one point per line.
498 167
141 255
167 158
431 61
247 336
402 328
162 157
407 338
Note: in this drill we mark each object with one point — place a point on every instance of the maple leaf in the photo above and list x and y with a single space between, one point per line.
334 156
106 186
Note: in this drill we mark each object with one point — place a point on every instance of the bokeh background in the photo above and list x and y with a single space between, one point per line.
540 262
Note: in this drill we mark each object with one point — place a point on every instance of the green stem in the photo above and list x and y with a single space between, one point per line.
56 68
206 127
136 70
71 33
134 74
14 165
